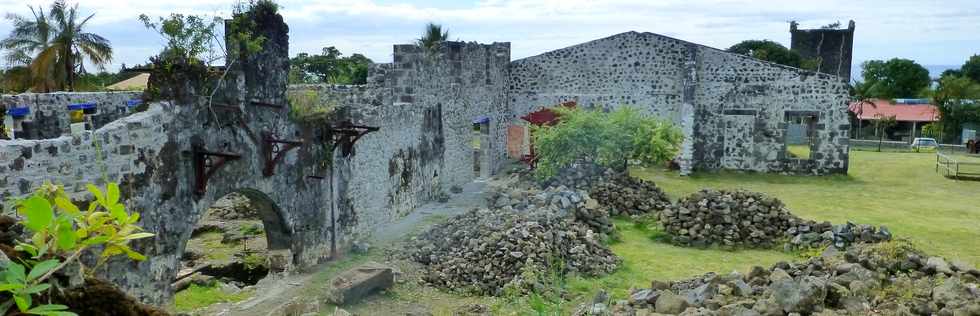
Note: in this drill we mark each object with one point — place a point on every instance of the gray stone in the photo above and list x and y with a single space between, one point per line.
939 265
952 291
670 303
354 284
799 296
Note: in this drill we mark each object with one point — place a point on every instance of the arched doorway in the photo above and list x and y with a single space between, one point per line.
239 240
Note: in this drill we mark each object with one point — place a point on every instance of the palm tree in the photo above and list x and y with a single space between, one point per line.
27 37
60 43
433 36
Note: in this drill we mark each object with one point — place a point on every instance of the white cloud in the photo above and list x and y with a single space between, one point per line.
932 32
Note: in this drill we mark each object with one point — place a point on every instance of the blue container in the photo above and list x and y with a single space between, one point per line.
88 108
19 112
133 102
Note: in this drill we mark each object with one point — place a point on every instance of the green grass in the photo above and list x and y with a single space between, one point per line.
799 151
647 258
212 247
195 297
899 190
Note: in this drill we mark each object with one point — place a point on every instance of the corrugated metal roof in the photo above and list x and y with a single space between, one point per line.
919 112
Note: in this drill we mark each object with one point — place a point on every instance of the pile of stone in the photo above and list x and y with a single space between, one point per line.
818 235
750 219
483 251
883 279
625 195
562 201
727 218
580 176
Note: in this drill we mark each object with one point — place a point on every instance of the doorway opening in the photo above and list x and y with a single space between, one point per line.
480 142
239 240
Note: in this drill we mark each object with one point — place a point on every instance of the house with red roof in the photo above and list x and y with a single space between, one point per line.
911 115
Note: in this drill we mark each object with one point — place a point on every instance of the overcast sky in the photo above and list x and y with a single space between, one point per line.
929 32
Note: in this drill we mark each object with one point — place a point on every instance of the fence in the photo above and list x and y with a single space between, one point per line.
895 146
951 167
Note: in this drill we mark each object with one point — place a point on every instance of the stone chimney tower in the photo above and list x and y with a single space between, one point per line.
833 47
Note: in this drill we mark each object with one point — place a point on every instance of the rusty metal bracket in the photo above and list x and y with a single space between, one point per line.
274 150
206 163
345 134
266 104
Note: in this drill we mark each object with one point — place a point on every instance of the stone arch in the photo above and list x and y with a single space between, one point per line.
278 234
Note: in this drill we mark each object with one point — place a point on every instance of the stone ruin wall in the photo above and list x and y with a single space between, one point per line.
49 111
740 115
834 48
708 92
424 104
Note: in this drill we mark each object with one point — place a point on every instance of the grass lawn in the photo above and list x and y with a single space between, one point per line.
899 190
646 258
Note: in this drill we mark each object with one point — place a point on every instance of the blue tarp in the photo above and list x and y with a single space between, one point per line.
481 120
19 112
134 102
81 106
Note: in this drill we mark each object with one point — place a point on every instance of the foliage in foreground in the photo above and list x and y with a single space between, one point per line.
61 233
609 139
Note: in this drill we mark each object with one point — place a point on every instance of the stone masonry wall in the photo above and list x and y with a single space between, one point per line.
742 109
834 48
738 103
424 104
49 111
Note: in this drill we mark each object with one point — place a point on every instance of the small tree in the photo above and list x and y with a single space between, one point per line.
432 37
609 139
881 123
932 130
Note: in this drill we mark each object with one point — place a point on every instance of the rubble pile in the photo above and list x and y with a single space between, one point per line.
889 278
750 219
580 176
625 195
730 218
482 251
561 201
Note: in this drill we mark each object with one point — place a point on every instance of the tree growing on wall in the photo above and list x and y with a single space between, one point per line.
895 78
608 139
881 125
54 45
432 37
188 37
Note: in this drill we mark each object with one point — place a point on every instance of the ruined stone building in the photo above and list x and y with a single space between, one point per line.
176 158
832 47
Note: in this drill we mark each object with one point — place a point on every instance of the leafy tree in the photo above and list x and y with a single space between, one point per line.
895 78
608 139
881 124
971 69
58 43
932 130
956 99
329 67
188 37
432 37
771 51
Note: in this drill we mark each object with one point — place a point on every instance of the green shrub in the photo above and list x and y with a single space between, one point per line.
609 139
61 230
305 106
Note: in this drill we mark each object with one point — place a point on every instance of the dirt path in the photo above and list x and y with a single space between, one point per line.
302 291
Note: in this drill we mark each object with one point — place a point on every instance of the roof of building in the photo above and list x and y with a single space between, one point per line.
903 112
136 83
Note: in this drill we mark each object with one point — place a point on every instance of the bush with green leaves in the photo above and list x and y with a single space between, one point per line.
60 233
609 139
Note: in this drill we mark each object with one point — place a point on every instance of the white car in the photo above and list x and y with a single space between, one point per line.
924 143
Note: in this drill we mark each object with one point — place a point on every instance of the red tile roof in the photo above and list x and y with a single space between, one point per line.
902 112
